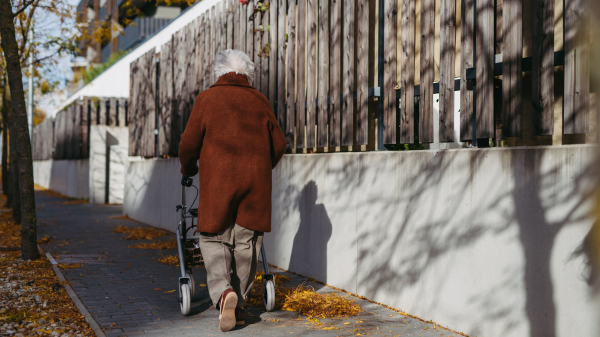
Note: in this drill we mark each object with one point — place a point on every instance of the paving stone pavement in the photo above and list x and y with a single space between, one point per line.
127 291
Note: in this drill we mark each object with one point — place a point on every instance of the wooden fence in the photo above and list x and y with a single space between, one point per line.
67 136
43 140
321 63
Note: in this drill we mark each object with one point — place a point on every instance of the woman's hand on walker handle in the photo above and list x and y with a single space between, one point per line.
186 181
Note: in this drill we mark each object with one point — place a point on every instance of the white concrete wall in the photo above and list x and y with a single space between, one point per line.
101 138
153 190
117 166
482 241
68 177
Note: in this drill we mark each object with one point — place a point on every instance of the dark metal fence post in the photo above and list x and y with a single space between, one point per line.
381 60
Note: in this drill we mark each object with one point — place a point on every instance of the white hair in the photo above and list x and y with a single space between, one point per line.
233 60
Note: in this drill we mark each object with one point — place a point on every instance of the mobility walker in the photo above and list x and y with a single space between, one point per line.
189 253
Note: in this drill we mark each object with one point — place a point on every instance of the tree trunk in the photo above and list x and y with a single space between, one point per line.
13 178
6 188
29 250
14 173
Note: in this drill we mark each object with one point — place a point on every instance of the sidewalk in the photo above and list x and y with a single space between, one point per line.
127 291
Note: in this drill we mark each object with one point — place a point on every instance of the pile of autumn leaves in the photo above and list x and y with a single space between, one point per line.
304 299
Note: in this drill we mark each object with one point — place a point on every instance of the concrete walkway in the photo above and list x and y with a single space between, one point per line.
128 292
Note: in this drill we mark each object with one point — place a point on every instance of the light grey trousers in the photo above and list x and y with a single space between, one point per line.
230 258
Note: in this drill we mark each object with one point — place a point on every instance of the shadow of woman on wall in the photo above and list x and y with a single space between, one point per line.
309 252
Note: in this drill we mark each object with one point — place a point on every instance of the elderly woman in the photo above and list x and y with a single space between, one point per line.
233 132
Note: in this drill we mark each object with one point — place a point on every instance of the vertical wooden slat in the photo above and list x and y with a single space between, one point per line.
74 120
63 139
301 77
362 64
121 112
281 93
266 52
257 45
56 136
407 111
335 64
224 15
348 74
200 51
389 70
166 99
207 50
64 134
77 130
237 36
94 103
218 30
240 25
112 112
214 23
84 128
102 112
230 35
311 82
179 92
447 50
291 76
466 54
135 134
190 72
512 41
150 104
50 147
69 132
323 79
274 52
59 153
485 68
60 141
427 71
249 28
577 67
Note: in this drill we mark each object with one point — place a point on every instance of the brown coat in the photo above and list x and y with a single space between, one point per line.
234 133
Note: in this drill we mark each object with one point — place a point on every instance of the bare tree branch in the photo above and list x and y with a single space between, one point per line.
25 28
25 5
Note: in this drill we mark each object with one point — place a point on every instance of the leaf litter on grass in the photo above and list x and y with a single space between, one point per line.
10 231
33 299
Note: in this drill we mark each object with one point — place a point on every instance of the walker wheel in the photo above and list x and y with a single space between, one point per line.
185 303
192 285
269 295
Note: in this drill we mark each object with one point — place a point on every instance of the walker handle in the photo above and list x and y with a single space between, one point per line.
186 181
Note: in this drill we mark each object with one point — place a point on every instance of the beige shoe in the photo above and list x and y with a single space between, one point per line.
227 305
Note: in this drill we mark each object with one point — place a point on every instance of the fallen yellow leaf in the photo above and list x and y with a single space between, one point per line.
170 291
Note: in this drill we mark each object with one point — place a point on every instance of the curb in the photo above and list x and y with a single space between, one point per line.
82 309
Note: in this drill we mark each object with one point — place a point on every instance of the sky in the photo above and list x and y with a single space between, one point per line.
61 71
